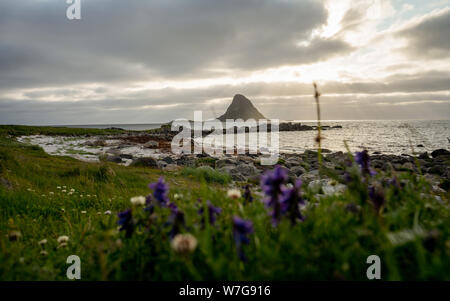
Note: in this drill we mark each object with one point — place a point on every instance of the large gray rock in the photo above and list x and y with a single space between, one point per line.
298 170
115 159
151 144
146 162
440 152
225 162
327 186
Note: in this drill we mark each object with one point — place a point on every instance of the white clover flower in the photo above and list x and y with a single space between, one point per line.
42 242
51 193
177 196
63 191
63 239
62 245
64 187
234 193
184 243
58 187
81 195
88 195
108 212
72 190
44 253
83 212
138 200
43 195
70 193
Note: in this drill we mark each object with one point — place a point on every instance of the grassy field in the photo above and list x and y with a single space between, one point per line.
45 197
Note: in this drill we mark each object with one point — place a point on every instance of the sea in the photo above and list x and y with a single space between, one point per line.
385 136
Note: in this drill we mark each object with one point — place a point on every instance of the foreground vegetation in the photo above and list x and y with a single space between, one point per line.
43 198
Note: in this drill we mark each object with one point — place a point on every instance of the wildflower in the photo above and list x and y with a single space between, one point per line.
42 242
107 212
44 253
212 212
62 245
70 193
272 184
72 190
177 196
64 187
184 243
99 213
248 194
176 219
81 195
58 187
241 228
14 235
234 194
291 199
138 200
88 195
126 222
149 202
376 196
63 210
160 191
63 191
363 160
63 239
51 193
83 212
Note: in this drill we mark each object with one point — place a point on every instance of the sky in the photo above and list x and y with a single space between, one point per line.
154 61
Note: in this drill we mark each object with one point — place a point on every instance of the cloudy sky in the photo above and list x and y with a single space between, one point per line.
153 61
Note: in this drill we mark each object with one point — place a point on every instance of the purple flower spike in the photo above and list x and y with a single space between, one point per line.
212 211
376 195
272 183
160 191
241 228
363 160
290 202
126 222
248 194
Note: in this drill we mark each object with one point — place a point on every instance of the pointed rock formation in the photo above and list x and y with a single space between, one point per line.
241 107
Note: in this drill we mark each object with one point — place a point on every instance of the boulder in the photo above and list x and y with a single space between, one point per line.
298 170
126 156
440 152
225 162
145 162
115 159
151 144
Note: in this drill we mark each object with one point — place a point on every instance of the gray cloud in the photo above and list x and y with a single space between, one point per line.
135 40
429 39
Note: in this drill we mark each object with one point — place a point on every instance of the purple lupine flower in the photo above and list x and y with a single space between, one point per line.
272 183
291 199
376 196
248 194
160 191
212 212
363 160
126 222
241 228
149 204
176 220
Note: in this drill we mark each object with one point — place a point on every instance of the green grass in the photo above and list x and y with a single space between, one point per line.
208 175
332 243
